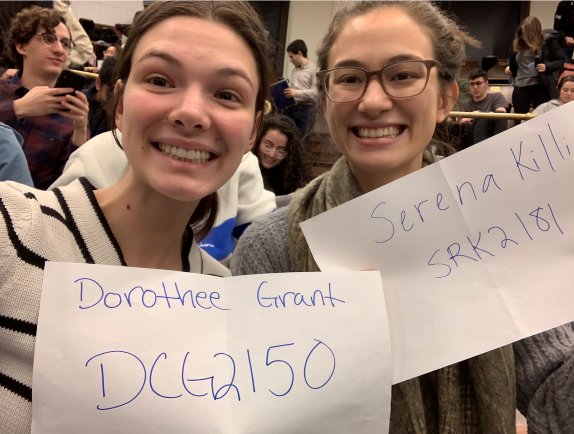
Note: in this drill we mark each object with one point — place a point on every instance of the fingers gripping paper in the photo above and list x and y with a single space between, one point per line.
124 350
475 251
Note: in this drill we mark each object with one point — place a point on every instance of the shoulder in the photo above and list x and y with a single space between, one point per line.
100 160
498 98
263 247
465 103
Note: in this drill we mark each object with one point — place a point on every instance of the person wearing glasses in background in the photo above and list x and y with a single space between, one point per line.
53 122
482 101
283 160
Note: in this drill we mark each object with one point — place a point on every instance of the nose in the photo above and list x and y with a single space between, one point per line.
57 47
189 111
375 99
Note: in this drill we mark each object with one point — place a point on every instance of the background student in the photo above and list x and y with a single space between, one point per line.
283 160
534 57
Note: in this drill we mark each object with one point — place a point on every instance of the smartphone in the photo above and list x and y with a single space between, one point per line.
71 79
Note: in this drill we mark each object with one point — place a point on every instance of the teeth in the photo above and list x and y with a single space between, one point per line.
380 132
187 155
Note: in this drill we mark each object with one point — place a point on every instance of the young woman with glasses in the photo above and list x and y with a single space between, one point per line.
283 160
188 112
388 79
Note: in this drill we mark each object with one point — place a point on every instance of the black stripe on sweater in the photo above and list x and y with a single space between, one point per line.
23 252
51 212
15 387
89 189
18 325
71 225
55 214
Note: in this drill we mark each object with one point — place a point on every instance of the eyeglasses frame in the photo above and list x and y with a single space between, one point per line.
475 84
72 43
321 75
262 147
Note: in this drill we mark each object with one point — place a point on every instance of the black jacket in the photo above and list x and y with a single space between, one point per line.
563 22
551 55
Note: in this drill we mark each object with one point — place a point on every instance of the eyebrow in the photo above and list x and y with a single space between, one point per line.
161 55
346 63
224 72
234 72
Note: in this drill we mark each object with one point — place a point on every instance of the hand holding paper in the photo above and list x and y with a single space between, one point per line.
475 251
139 350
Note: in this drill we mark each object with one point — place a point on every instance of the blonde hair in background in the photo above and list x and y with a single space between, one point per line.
528 35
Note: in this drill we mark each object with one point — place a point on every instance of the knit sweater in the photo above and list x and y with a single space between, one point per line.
544 362
241 199
63 225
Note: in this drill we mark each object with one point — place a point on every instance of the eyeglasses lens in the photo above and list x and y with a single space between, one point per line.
49 39
400 80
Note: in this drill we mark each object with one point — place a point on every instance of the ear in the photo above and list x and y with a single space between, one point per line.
21 48
120 107
253 135
98 84
446 102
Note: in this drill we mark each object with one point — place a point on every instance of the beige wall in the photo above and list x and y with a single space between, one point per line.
308 20
106 12
544 11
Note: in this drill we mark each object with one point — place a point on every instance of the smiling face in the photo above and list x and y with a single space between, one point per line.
110 52
187 115
567 92
404 125
42 60
273 145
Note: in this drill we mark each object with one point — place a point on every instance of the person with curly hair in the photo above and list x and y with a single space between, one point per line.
283 159
52 121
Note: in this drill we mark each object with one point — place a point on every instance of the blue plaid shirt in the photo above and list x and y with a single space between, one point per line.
47 139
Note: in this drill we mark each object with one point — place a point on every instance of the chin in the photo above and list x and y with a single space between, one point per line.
183 191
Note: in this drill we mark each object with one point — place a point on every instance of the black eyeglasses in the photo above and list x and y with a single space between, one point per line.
399 80
49 39
476 83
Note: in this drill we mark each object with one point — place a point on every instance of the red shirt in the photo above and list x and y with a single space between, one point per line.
47 139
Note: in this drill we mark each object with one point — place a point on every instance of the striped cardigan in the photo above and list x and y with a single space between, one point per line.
63 225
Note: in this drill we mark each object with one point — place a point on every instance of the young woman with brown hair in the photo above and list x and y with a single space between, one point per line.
191 89
387 79
283 160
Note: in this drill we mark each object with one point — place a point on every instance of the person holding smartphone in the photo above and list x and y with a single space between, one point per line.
52 121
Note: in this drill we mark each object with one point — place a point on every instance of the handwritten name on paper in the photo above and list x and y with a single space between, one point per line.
489 239
120 348
473 250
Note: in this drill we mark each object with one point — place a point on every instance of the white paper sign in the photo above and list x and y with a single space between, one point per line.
475 251
127 350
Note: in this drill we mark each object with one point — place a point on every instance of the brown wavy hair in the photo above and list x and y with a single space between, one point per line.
295 170
528 35
238 16
24 27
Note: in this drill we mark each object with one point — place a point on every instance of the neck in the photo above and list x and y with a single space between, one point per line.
304 62
30 80
369 181
148 225
479 98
